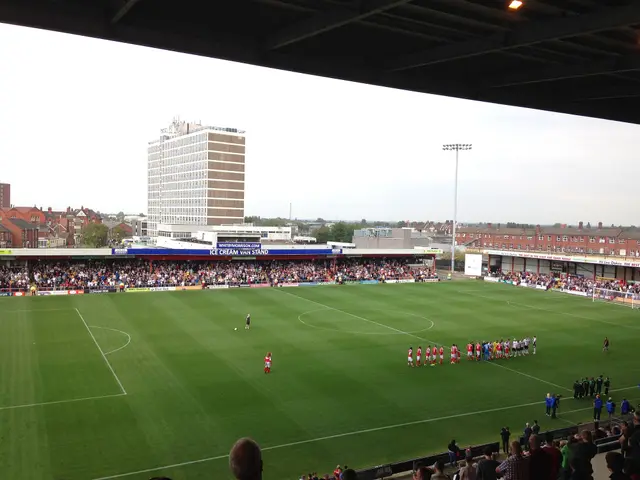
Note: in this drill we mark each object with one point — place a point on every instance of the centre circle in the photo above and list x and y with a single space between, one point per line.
390 327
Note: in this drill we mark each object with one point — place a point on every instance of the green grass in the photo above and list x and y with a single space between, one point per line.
340 391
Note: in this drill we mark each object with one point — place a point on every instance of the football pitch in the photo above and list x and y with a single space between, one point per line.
132 386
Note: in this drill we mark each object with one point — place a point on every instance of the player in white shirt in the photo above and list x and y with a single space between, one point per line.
535 341
526 345
514 351
247 324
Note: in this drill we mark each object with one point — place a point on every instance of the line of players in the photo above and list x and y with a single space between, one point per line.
483 351
431 355
502 349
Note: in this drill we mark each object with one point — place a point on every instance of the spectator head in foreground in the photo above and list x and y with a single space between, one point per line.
615 462
349 474
245 460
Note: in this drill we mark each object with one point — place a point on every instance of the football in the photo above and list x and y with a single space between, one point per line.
236 328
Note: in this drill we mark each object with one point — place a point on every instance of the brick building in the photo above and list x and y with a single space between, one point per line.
68 224
5 195
598 240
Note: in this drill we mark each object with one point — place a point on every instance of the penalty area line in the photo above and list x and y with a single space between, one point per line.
124 392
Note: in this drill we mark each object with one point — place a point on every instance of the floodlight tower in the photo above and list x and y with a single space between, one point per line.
457 147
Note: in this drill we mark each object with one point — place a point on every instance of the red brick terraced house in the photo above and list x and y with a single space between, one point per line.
587 240
68 224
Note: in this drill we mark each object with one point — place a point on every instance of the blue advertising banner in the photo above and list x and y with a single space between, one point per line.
308 284
368 282
226 252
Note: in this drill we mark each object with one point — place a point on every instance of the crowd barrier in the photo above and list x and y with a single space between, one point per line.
387 470
102 290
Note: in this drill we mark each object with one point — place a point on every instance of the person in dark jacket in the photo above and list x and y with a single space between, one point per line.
585 387
592 387
454 452
535 428
584 451
556 405
486 469
504 436
527 434
607 384
540 461
615 464
599 382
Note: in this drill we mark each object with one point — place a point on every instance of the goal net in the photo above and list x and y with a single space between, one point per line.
628 299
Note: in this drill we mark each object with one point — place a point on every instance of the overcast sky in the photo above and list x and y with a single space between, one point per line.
76 115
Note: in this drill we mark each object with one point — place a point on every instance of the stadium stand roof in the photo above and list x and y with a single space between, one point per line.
572 56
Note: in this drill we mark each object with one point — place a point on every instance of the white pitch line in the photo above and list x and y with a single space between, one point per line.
118 331
37 310
124 392
361 318
530 376
56 402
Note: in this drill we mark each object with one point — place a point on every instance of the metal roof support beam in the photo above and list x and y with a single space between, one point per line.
123 10
627 63
330 20
525 34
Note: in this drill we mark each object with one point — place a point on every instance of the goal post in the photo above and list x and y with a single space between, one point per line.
627 299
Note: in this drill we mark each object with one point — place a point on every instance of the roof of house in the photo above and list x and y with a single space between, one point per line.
18 222
4 229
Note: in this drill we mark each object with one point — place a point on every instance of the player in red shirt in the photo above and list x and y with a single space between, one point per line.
441 354
499 350
419 355
453 354
434 353
506 348
469 351
478 351
410 357
267 363
457 359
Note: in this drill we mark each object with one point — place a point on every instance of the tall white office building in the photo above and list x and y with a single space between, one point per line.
195 176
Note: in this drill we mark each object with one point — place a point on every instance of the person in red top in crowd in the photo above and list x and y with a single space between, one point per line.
419 355
441 354
478 351
434 353
469 351
267 363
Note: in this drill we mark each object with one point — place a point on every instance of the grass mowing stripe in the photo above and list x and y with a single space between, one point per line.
124 392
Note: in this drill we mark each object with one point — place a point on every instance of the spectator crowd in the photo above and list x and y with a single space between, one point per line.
564 281
46 275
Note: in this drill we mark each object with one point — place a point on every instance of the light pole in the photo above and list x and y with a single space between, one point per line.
457 147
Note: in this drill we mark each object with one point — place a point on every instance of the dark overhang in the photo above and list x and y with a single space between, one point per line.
571 56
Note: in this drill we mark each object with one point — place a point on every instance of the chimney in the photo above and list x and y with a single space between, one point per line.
564 225
580 224
537 229
49 209
82 208
599 225
489 225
